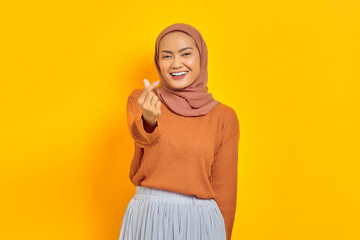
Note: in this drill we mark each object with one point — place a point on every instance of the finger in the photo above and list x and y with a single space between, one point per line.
148 88
154 100
158 105
146 83
148 99
145 92
151 87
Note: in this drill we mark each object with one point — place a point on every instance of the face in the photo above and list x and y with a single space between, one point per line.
178 53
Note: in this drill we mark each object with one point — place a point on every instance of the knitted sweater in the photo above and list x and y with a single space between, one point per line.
189 155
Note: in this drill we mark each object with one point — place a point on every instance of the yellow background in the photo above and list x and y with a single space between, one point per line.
290 69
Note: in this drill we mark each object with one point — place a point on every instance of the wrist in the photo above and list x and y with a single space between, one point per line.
149 126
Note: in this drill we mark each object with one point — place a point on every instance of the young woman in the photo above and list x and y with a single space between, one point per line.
186 148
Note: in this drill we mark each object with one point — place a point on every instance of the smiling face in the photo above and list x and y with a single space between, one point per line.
178 53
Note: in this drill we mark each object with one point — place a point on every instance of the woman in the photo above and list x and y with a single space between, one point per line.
186 148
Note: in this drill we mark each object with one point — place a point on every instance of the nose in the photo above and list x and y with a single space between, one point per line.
176 63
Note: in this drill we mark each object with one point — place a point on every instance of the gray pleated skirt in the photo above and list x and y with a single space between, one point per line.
156 214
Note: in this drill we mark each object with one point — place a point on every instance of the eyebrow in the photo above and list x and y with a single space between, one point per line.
179 50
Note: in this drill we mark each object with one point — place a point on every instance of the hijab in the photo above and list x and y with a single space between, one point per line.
193 100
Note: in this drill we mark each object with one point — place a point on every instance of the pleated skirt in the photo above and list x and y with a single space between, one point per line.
156 214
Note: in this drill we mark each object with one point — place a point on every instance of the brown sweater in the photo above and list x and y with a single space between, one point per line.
189 155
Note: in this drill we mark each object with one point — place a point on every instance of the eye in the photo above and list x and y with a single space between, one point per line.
166 56
187 53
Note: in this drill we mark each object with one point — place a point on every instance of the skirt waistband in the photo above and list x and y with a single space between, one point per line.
147 193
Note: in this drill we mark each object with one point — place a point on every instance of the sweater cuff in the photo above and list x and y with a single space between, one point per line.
141 134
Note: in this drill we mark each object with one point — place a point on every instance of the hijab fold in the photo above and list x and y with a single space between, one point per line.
194 100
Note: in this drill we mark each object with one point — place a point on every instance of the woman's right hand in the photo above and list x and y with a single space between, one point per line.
150 103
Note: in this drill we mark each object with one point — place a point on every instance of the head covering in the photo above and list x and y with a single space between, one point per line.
194 100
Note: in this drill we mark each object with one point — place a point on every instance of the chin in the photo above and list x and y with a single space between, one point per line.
178 85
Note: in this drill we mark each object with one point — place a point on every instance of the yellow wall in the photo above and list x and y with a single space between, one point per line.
290 69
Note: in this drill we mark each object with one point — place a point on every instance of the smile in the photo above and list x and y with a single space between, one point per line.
179 75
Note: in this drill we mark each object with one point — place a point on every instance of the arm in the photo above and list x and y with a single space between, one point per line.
143 133
223 177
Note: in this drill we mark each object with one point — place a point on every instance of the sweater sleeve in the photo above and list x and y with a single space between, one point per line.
223 177
136 124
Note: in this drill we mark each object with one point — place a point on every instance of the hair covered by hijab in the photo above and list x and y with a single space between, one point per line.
193 100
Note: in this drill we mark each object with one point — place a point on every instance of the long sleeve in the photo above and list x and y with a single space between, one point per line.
136 124
223 177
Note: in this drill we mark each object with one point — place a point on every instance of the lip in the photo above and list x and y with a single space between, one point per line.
179 71
179 77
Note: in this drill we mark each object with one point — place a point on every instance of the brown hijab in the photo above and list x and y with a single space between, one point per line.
194 100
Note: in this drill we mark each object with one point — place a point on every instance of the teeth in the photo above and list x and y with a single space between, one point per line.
178 74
